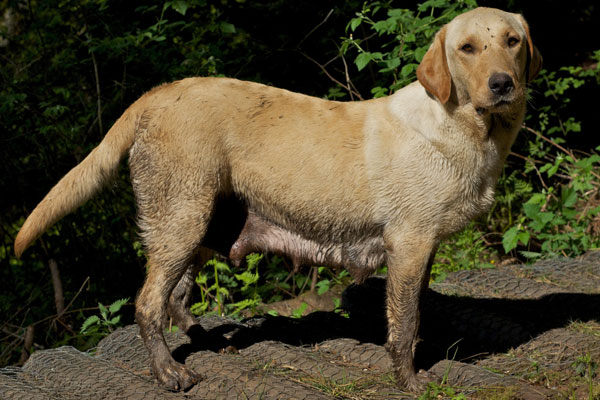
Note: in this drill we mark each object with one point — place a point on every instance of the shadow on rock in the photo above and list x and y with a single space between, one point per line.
463 328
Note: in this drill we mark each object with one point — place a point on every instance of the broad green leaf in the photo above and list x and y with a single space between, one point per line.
568 196
510 239
420 53
227 27
178 5
408 69
354 23
362 60
322 286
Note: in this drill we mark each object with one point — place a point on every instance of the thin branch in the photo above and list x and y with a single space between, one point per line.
73 312
348 81
349 89
567 152
99 100
76 295
564 150
532 161
27 343
313 284
315 28
59 299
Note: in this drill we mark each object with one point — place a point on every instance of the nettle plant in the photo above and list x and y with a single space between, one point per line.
558 187
218 284
401 37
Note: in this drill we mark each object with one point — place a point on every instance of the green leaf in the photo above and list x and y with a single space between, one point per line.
242 305
253 259
362 60
408 69
298 312
92 320
510 239
379 92
201 279
178 5
323 286
227 27
116 306
199 308
354 23
530 254
103 311
420 53
219 265
568 196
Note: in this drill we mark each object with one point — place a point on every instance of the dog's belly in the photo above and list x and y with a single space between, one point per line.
360 257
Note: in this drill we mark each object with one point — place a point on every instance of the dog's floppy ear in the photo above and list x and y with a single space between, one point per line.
433 72
534 58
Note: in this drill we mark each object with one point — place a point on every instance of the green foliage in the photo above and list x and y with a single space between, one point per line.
298 312
466 249
558 187
586 367
68 71
95 327
401 37
227 285
224 291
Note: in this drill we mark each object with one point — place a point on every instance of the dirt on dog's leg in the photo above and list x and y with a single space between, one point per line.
172 238
409 262
173 219
179 301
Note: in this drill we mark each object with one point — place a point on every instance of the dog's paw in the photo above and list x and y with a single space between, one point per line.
175 376
415 383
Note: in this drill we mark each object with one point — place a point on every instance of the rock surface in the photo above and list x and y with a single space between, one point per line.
529 332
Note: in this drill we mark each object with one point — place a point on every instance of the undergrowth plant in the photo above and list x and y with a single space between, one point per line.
214 297
557 187
394 40
95 327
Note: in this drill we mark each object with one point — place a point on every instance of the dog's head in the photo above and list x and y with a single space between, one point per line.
484 57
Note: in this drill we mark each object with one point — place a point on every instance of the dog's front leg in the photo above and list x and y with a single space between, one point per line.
409 262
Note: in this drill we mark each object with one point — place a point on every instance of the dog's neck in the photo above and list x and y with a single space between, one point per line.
485 125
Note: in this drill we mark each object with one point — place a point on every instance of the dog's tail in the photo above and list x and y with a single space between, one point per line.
82 182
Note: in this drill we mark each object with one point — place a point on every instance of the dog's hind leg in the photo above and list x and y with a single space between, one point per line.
174 209
171 240
179 301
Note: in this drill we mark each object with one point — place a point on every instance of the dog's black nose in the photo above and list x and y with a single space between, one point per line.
501 83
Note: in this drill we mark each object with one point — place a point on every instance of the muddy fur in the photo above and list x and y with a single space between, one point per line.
239 166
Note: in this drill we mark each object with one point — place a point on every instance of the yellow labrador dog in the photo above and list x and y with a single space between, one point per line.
352 184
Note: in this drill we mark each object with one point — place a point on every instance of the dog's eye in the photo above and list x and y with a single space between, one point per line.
467 48
512 41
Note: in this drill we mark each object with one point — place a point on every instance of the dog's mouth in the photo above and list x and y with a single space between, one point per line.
502 104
